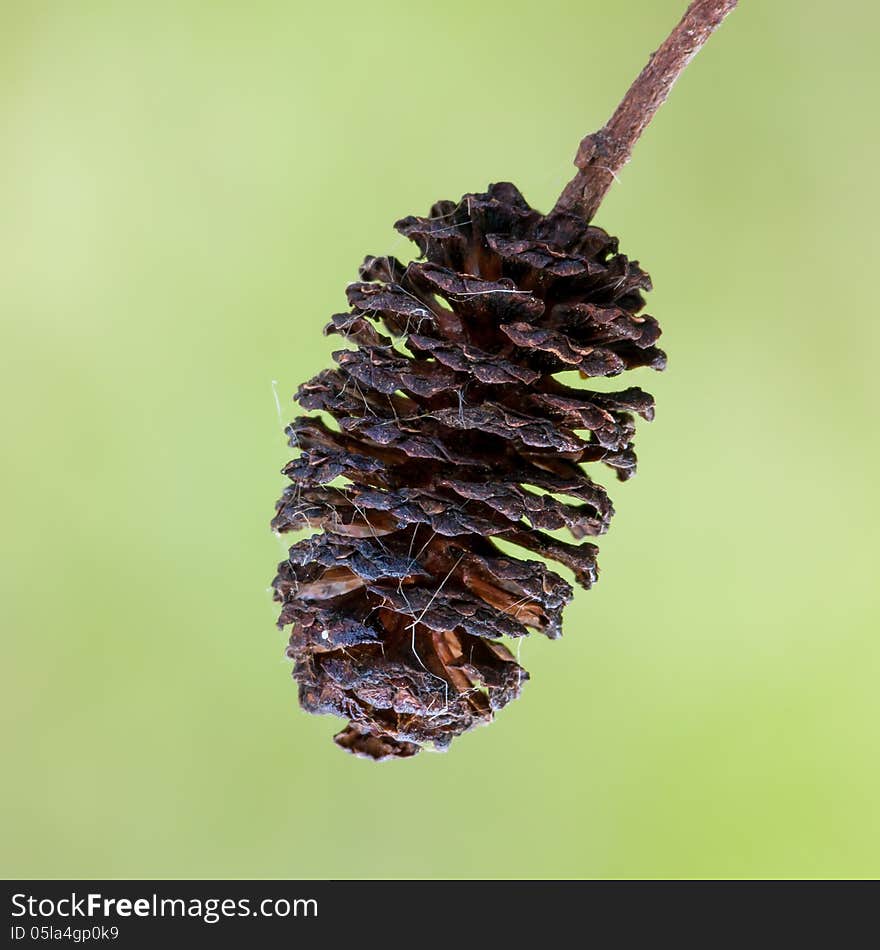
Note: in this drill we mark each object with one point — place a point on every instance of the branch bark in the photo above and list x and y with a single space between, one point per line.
602 154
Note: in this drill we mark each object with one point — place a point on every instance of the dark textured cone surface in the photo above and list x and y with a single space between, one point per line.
446 428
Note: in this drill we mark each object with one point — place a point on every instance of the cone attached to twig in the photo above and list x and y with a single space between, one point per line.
449 448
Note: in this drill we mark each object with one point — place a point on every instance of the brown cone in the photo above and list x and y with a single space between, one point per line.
452 430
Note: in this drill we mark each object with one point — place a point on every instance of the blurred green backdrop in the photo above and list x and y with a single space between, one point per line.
186 190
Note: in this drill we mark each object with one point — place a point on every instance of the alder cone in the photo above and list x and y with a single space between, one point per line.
453 431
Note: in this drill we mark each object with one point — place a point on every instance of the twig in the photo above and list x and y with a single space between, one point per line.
602 154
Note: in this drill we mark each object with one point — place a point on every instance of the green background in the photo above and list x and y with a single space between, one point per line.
186 190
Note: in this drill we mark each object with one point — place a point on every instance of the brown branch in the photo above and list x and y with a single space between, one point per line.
602 154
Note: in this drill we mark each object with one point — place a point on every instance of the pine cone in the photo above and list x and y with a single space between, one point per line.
452 432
